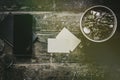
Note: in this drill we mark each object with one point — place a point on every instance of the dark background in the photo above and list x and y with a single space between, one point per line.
100 59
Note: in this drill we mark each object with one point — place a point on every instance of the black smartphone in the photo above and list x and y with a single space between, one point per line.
16 30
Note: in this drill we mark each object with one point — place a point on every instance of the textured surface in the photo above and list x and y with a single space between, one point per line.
89 61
